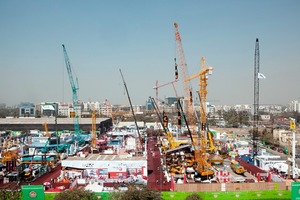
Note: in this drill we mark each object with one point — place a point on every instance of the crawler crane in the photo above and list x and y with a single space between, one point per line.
75 88
184 74
164 122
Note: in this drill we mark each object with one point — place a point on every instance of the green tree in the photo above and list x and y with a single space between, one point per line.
10 193
231 118
76 194
136 193
193 196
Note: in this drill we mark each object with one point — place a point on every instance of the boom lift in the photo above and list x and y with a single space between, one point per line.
75 88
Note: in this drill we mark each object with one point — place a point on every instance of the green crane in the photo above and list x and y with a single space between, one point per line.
75 88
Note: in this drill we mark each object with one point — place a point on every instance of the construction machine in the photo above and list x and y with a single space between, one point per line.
75 87
199 141
46 129
237 168
94 136
201 166
172 143
9 157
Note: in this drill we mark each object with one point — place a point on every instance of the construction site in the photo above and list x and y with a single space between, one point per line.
186 156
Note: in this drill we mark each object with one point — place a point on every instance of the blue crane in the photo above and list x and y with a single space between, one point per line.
75 88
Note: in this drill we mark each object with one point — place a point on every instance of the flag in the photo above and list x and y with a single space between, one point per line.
261 76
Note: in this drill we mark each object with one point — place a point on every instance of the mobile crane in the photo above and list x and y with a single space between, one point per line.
75 88
201 166
188 103
141 146
172 142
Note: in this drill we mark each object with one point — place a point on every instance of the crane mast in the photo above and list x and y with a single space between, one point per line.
256 99
75 88
188 107
200 142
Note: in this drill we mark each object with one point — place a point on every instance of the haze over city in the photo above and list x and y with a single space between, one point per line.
138 37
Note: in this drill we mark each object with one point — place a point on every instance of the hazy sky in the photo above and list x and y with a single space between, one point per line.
137 37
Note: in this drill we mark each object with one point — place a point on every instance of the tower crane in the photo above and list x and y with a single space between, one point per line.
75 88
203 91
184 73
200 142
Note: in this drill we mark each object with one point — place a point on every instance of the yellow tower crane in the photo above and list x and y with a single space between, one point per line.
200 142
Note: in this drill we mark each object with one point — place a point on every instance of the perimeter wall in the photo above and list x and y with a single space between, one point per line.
216 187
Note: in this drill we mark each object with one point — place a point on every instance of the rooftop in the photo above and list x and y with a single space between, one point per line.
102 157
48 120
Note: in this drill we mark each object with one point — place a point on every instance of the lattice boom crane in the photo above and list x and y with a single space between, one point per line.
188 107
75 88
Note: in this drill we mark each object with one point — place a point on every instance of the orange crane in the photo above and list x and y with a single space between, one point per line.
201 142
188 107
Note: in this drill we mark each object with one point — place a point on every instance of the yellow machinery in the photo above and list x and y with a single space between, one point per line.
9 157
203 168
46 129
237 168
212 146
172 143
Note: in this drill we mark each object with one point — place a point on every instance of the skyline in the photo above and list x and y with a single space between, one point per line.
138 37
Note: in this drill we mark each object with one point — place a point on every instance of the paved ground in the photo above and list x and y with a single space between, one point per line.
40 181
156 179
